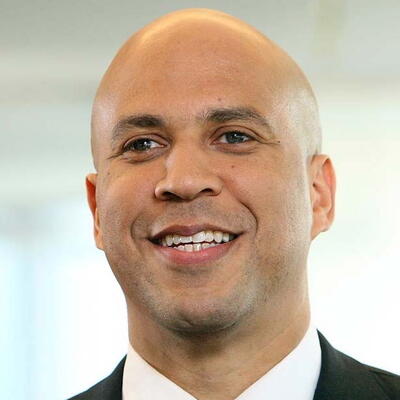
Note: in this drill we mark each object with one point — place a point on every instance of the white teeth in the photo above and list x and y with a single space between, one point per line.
209 236
197 247
218 236
186 239
169 240
199 237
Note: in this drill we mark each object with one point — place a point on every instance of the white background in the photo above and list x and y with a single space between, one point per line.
62 314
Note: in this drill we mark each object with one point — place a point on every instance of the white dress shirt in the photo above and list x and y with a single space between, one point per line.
295 377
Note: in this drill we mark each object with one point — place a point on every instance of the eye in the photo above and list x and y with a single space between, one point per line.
234 137
140 145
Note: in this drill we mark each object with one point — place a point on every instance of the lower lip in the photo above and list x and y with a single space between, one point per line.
203 256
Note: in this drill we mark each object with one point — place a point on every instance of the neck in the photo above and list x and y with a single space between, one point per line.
221 365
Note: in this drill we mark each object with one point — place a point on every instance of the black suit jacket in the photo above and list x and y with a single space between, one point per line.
341 378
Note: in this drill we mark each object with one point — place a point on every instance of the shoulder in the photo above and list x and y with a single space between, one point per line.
110 388
389 382
343 377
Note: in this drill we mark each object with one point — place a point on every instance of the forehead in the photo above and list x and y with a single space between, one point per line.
181 71
181 74
183 90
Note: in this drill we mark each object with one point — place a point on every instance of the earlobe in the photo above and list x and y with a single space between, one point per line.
91 185
323 189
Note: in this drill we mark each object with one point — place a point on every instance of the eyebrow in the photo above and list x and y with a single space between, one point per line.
216 115
221 115
136 121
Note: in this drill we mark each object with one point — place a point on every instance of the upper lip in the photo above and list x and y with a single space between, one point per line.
189 230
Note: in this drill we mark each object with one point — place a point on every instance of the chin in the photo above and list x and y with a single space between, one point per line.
202 318
191 324
192 311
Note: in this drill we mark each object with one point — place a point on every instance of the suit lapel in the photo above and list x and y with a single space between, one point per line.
109 388
112 385
343 378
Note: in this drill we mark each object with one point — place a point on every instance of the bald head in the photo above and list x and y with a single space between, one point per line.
202 123
178 60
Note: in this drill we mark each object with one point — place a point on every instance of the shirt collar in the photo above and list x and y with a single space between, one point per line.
294 377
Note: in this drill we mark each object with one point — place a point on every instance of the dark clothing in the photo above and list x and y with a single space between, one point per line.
341 378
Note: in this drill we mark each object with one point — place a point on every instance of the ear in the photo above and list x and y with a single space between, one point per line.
91 181
323 189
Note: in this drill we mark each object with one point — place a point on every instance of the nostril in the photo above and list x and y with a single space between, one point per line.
187 188
171 196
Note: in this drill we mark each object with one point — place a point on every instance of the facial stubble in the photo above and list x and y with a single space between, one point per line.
200 311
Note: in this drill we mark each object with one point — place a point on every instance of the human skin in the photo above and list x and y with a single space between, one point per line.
213 329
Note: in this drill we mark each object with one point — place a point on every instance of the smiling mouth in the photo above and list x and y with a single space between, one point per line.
197 242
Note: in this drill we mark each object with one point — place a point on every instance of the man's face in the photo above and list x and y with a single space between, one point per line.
196 152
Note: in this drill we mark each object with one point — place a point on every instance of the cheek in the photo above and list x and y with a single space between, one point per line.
276 194
259 184
121 200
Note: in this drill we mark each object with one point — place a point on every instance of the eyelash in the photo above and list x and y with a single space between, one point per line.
126 147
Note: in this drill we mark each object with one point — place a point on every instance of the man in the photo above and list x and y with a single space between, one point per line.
210 187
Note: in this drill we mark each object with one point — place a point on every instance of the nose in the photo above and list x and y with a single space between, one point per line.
189 174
